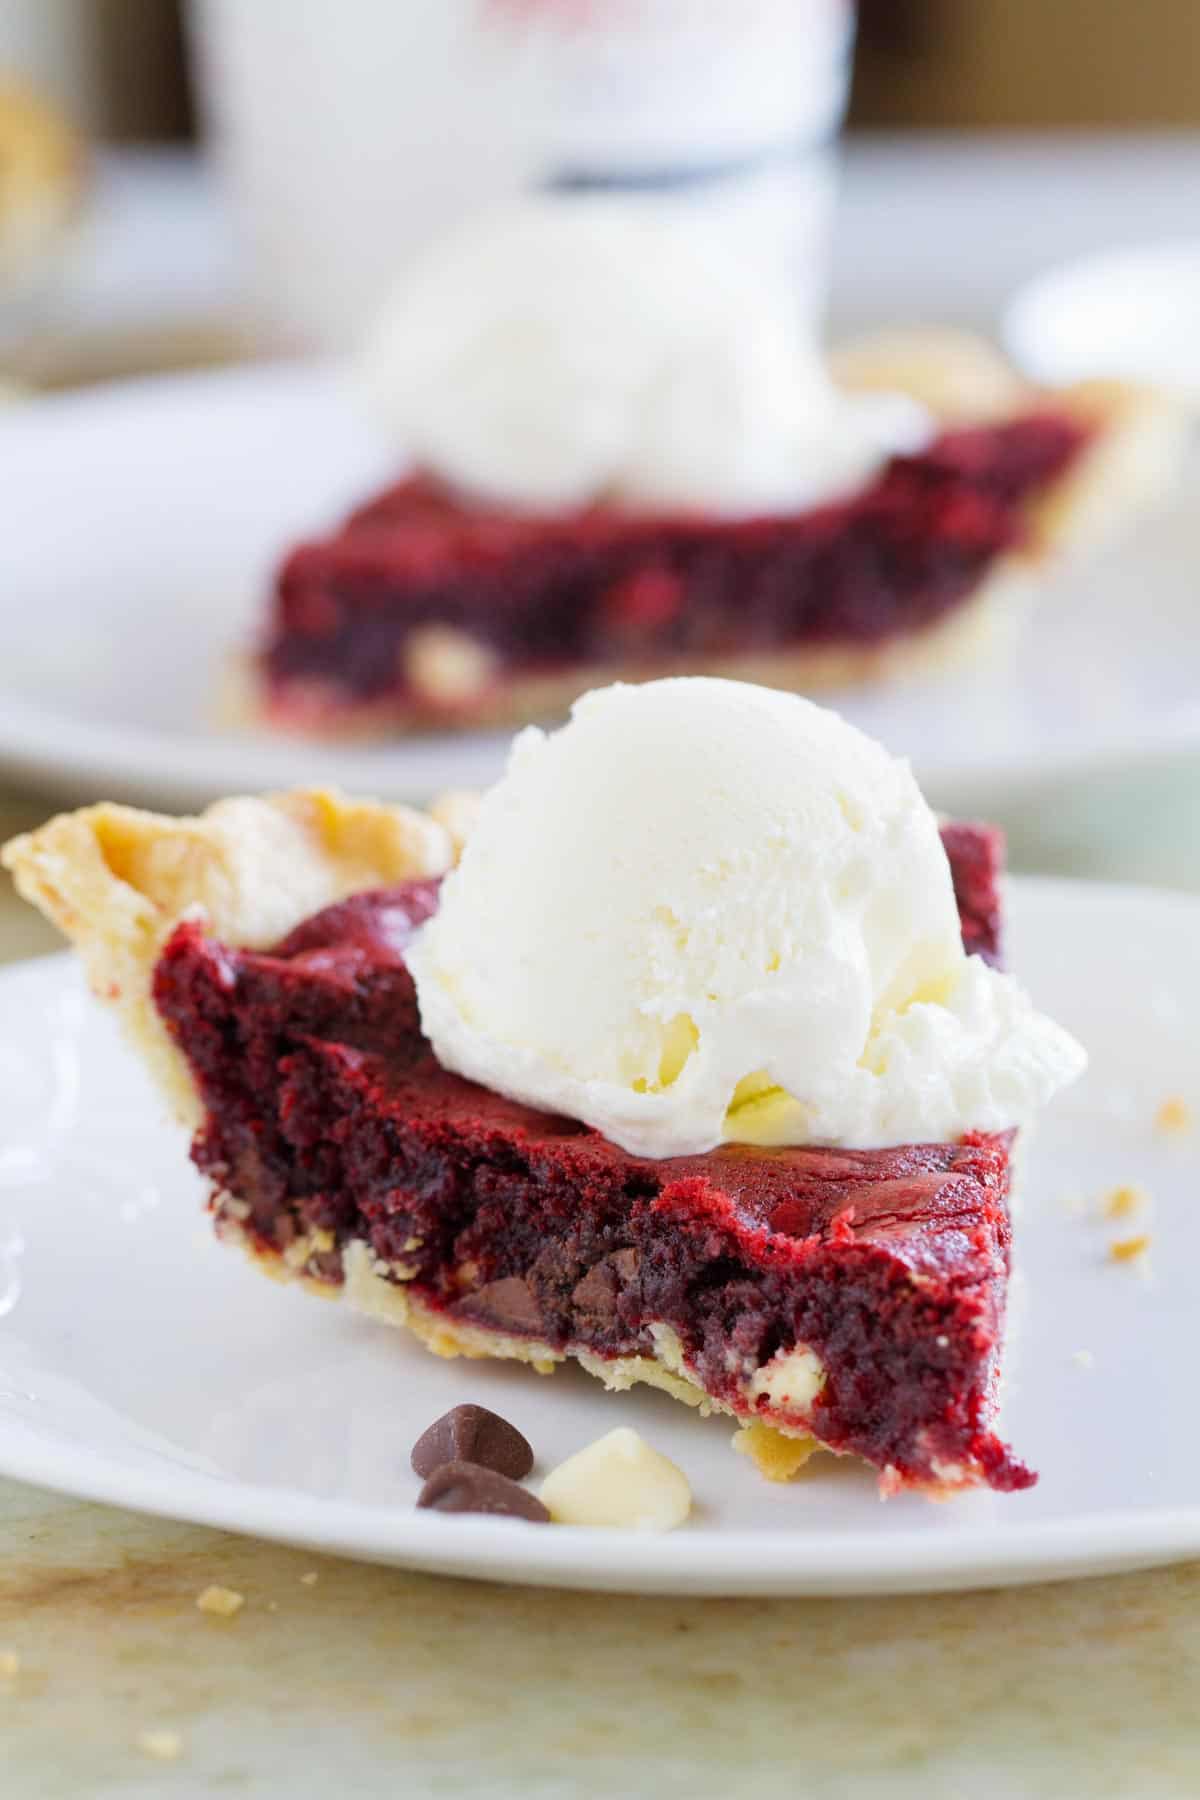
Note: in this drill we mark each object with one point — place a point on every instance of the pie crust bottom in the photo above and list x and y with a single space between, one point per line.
777 1451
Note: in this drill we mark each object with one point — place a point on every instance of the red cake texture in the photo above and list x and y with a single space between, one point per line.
327 1111
604 587
976 857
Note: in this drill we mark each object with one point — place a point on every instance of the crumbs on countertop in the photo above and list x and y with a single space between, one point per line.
164 1746
310 1579
1174 1115
221 1602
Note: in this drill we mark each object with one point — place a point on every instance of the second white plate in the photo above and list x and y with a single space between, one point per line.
141 524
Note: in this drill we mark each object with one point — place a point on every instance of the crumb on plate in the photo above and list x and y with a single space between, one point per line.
1120 1202
773 1453
1174 1115
1129 1249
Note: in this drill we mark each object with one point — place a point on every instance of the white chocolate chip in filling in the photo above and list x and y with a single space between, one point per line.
791 1380
445 666
619 1480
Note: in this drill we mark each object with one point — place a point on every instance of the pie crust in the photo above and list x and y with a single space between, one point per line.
117 881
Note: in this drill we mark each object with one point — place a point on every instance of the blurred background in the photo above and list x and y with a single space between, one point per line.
190 183
165 169
120 67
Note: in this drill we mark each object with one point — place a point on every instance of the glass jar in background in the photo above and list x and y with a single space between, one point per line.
352 132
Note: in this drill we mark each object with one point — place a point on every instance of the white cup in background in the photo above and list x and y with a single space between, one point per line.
352 132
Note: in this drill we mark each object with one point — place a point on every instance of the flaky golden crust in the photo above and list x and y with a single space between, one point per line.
1139 433
1129 468
957 376
116 881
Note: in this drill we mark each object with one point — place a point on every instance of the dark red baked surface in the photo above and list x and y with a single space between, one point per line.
327 1109
604 587
976 857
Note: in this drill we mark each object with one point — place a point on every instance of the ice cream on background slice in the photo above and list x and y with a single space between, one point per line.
704 912
569 349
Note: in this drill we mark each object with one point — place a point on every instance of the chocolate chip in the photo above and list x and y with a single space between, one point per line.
508 1303
472 1434
626 1264
465 1487
600 1289
596 1295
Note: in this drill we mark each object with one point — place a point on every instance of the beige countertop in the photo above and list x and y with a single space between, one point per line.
376 1682
373 1681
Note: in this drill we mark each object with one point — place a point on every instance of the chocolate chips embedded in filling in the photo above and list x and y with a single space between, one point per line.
509 1304
595 1296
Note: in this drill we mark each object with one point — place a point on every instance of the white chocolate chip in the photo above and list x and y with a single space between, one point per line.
791 1380
446 666
618 1480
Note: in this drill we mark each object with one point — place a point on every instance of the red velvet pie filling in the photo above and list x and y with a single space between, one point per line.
327 1112
603 586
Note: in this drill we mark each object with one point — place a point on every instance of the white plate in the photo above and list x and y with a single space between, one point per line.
141 524
1130 313
142 1363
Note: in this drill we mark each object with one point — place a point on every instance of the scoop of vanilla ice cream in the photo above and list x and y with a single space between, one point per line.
568 349
704 912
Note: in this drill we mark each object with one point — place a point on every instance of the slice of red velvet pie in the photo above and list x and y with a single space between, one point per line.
429 608
849 1298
